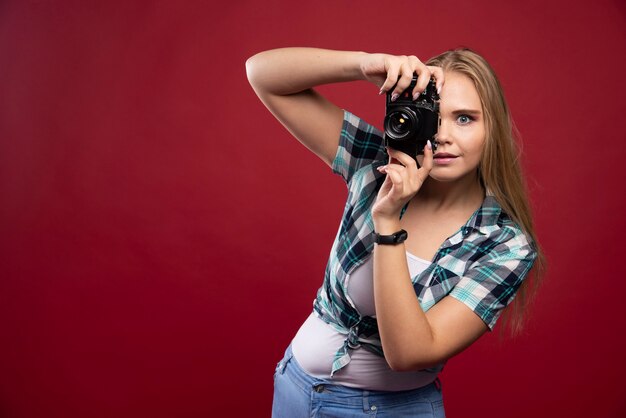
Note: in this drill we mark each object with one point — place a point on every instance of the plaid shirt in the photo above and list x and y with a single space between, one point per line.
481 265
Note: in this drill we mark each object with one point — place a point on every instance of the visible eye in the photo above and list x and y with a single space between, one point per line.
464 119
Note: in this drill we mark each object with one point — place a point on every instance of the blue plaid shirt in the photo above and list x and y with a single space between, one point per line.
481 265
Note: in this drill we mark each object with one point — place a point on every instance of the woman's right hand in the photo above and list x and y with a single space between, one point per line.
387 71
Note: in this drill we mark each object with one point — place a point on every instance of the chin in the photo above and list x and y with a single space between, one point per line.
450 176
443 178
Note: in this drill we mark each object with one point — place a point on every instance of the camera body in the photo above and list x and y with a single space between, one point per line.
409 123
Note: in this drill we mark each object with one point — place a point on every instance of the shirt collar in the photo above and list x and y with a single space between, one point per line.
486 216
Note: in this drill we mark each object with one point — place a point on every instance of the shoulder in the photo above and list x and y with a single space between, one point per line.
360 145
499 256
491 218
354 124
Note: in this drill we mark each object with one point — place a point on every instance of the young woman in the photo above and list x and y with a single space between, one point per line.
427 255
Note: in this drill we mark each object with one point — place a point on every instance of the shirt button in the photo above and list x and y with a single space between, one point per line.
373 407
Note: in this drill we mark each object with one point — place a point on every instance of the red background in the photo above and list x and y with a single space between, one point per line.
162 237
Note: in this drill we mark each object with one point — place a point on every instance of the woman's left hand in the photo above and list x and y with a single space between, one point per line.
403 181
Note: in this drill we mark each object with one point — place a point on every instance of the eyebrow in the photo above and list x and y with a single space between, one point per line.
473 112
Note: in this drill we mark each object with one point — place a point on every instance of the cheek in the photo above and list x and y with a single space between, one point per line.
478 145
477 154
479 149
474 152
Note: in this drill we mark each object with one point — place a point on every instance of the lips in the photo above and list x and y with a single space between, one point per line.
444 155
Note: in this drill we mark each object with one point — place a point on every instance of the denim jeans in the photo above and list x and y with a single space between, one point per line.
297 394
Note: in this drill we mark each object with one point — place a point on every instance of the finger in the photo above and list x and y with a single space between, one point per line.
406 76
396 179
437 72
392 77
410 168
427 162
403 158
387 183
414 62
393 160
393 168
407 168
424 76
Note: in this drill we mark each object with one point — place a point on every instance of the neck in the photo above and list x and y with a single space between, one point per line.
443 196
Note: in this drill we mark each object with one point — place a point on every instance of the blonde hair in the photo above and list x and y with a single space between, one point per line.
499 170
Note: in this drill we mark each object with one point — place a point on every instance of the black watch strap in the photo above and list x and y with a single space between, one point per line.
393 239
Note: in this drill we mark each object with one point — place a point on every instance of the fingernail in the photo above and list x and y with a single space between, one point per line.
439 90
394 97
429 145
416 95
381 91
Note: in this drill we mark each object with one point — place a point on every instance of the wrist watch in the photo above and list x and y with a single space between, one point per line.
393 239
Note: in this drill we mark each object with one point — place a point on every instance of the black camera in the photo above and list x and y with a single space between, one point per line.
410 123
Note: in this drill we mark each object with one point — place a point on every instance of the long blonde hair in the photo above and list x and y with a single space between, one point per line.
499 170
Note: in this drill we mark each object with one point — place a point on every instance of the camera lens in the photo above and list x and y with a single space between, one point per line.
400 123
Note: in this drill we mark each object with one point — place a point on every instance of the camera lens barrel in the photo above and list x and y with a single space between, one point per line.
402 123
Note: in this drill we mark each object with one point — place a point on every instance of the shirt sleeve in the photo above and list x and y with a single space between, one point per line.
491 283
360 144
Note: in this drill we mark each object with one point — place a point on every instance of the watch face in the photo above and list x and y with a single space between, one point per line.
401 236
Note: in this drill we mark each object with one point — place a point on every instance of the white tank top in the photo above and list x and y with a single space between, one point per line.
316 342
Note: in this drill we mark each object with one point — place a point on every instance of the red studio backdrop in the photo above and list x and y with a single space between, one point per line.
162 237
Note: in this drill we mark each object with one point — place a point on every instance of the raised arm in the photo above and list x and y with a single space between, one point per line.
284 79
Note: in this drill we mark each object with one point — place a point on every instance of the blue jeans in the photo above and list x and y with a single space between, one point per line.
297 394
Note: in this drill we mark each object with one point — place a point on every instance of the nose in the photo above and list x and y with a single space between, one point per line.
442 136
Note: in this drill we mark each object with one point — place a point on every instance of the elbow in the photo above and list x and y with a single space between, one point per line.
397 366
258 68
251 67
409 364
406 352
